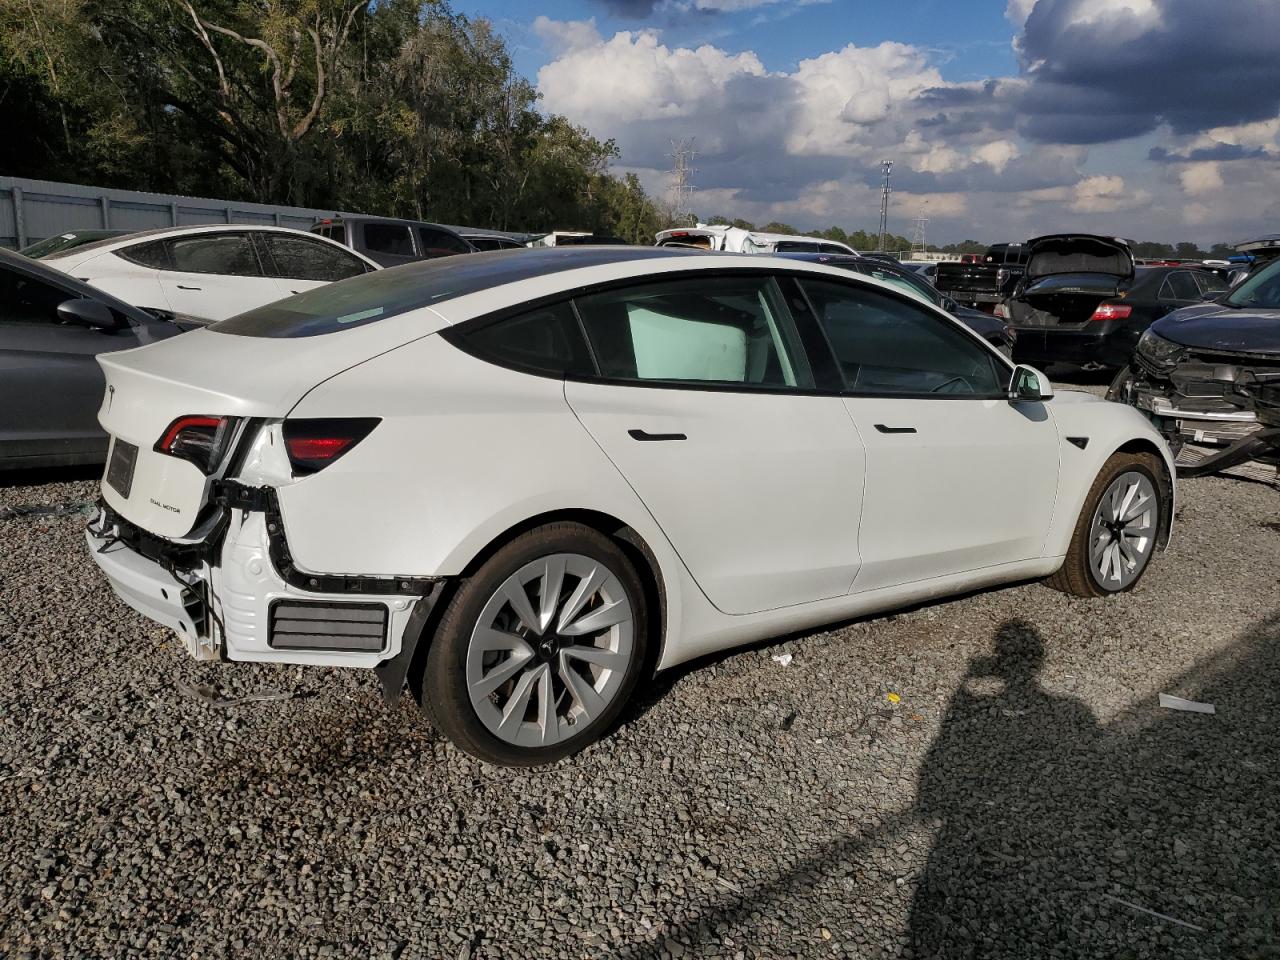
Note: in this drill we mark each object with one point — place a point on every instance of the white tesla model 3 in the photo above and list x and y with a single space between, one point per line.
523 481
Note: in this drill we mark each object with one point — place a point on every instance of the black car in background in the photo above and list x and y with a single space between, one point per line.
390 242
1052 309
52 328
1110 333
985 280
996 332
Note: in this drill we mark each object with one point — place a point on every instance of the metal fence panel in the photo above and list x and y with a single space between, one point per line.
31 210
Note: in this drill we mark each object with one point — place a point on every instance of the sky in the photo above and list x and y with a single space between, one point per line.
1005 119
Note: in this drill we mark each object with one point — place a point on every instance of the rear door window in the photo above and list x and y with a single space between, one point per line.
441 243
154 254
228 254
1182 286
1210 282
733 331
300 258
389 238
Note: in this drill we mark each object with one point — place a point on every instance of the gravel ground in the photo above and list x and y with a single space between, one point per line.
985 777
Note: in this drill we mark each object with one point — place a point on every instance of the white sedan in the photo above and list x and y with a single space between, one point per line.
523 481
210 272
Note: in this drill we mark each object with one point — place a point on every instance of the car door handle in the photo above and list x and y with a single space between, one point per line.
646 435
181 287
885 429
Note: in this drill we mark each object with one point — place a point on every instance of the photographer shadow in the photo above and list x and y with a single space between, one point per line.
1006 819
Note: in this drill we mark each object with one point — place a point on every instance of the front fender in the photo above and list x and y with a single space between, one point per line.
1106 429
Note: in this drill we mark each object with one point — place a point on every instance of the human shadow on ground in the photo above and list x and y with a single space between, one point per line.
1154 835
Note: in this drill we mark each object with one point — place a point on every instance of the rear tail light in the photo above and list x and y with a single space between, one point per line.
1112 311
314 444
199 439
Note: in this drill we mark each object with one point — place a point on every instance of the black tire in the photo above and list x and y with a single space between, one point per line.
443 684
1075 576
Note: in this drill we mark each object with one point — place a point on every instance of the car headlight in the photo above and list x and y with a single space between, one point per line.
1159 350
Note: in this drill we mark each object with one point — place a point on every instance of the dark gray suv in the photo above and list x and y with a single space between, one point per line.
391 242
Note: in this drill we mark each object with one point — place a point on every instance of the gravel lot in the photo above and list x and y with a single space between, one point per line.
986 777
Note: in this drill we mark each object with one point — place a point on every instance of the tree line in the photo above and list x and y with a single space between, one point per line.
394 107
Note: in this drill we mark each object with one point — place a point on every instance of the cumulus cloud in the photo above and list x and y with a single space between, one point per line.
565 36
1102 70
1201 177
1008 152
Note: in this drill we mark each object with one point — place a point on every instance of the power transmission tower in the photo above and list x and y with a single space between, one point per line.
886 167
682 156
918 245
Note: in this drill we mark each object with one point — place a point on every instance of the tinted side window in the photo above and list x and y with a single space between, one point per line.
301 259
548 340
154 254
26 300
230 254
1210 281
728 330
1183 285
885 345
392 238
441 243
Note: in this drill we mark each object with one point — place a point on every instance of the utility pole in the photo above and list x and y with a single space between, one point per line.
682 156
886 167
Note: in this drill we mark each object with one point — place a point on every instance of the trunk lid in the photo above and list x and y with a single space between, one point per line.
1078 253
207 373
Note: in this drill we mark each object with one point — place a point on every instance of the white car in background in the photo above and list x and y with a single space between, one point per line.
525 482
210 272
723 239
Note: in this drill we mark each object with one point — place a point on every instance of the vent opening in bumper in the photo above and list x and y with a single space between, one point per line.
327 625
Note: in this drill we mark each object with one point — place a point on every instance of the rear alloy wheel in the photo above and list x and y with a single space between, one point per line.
540 650
1118 528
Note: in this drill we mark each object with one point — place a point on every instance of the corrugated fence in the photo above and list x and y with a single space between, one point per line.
31 210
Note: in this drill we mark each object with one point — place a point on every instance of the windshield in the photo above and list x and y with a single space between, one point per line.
1261 290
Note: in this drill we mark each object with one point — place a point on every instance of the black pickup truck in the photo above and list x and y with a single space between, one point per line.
988 282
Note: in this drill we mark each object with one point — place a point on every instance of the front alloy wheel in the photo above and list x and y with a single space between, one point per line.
1123 533
537 654
1118 528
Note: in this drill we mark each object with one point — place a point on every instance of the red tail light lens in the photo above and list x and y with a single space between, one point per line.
314 444
1112 311
202 440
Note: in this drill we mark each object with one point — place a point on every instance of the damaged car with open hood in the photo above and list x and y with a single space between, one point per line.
1208 375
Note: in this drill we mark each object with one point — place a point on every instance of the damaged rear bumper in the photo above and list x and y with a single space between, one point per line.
232 592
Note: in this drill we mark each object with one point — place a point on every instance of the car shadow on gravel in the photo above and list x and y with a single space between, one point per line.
1153 835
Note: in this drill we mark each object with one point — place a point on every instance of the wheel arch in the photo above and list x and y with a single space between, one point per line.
636 548
1145 445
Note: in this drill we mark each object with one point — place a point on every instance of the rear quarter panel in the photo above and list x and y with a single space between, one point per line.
465 451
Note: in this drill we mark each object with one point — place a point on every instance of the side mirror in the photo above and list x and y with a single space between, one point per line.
88 313
1029 385
948 304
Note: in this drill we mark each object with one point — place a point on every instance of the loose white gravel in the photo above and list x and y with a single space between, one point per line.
984 777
